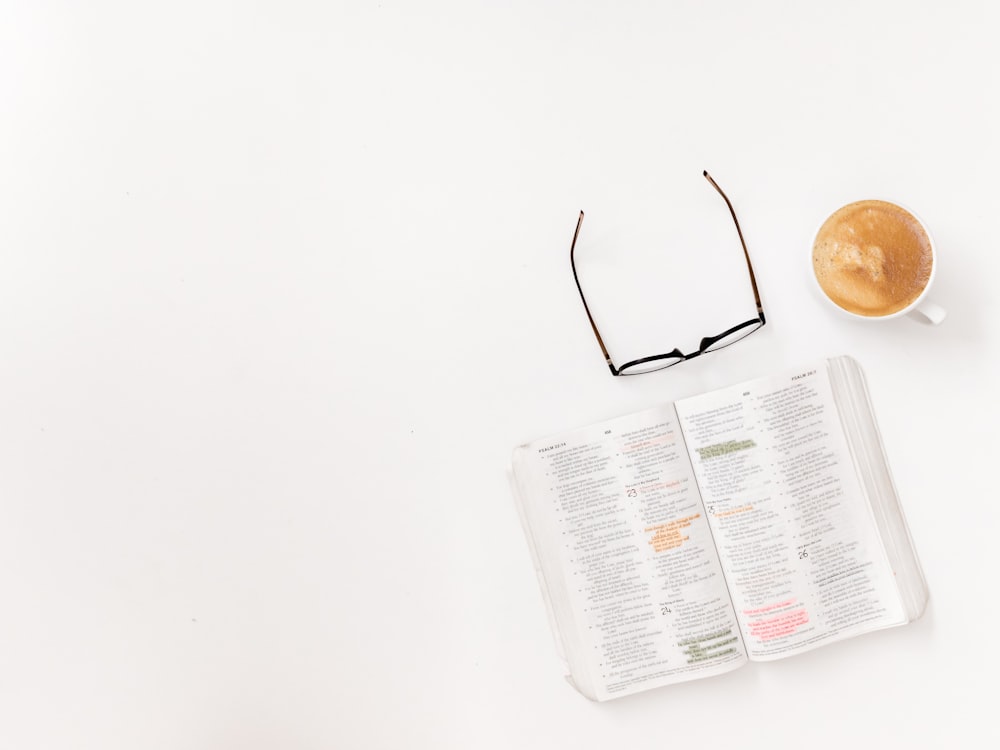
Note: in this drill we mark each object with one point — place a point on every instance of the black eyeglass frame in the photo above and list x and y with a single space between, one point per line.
677 356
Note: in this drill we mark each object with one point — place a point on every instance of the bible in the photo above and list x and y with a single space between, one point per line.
750 523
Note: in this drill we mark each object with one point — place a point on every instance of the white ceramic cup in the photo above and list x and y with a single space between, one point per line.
920 308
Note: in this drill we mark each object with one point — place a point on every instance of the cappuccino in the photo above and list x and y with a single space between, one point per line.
873 258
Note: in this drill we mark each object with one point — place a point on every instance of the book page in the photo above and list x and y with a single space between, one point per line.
795 534
865 443
627 558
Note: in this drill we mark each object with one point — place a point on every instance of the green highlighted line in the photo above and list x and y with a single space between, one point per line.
723 449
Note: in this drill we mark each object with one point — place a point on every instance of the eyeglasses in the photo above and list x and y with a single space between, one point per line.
708 344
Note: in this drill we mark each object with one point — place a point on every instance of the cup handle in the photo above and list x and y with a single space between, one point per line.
929 312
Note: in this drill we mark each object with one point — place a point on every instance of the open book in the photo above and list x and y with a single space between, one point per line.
750 523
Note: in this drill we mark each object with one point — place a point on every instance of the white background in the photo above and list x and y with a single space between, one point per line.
282 284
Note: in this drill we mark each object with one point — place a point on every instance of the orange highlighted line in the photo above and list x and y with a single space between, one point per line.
655 486
667 536
734 511
661 440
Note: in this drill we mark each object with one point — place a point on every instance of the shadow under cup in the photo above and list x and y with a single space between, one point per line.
875 260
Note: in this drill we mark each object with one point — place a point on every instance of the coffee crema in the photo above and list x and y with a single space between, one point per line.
872 258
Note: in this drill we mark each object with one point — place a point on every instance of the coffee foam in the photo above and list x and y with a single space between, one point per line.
872 258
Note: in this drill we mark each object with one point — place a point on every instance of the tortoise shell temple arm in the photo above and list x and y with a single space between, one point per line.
593 325
746 253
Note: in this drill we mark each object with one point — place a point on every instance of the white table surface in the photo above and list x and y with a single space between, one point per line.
283 283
